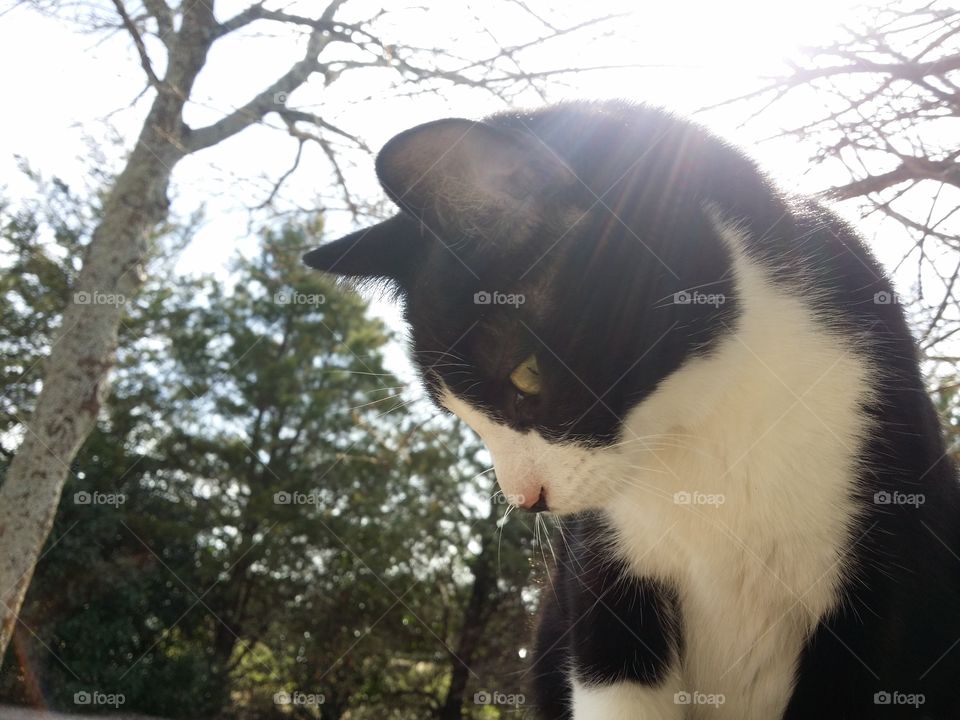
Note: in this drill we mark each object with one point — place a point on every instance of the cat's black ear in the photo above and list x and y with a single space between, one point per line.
385 250
458 170
455 172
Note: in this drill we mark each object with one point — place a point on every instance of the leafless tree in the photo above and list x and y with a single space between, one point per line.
171 43
883 105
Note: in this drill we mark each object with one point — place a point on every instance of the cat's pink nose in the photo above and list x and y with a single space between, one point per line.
539 505
523 487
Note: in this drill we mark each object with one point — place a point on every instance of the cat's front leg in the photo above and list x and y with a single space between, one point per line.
608 642
563 692
624 653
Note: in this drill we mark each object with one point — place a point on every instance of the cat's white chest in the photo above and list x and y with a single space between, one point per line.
742 637
756 552
747 507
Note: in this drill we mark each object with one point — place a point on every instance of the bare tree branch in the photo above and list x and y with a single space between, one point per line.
912 168
890 88
257 11
138 43
296 116
303 136
283 178
272 99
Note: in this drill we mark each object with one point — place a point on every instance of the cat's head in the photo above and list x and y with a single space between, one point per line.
555 268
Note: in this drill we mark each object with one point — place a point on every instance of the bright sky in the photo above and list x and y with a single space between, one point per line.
66 90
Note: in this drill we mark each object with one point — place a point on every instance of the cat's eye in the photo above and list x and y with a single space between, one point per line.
526 376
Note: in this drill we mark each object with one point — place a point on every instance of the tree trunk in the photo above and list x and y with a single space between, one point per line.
75 373
74 378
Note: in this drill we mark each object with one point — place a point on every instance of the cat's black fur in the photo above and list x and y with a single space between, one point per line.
612 223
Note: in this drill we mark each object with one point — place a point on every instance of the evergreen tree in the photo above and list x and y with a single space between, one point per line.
260 515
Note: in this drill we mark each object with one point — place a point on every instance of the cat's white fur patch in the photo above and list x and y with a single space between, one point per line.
733 481
627 701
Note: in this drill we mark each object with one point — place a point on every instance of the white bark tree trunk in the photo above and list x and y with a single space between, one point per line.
75 373
74 377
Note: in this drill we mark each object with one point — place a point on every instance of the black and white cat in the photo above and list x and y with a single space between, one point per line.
711 385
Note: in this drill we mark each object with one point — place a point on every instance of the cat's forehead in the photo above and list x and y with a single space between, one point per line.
488 324
509 301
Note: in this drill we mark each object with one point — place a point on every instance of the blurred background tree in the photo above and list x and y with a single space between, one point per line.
259 510
885 100
172 45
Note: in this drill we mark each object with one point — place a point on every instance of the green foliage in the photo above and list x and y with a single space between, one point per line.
39 247
268 512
